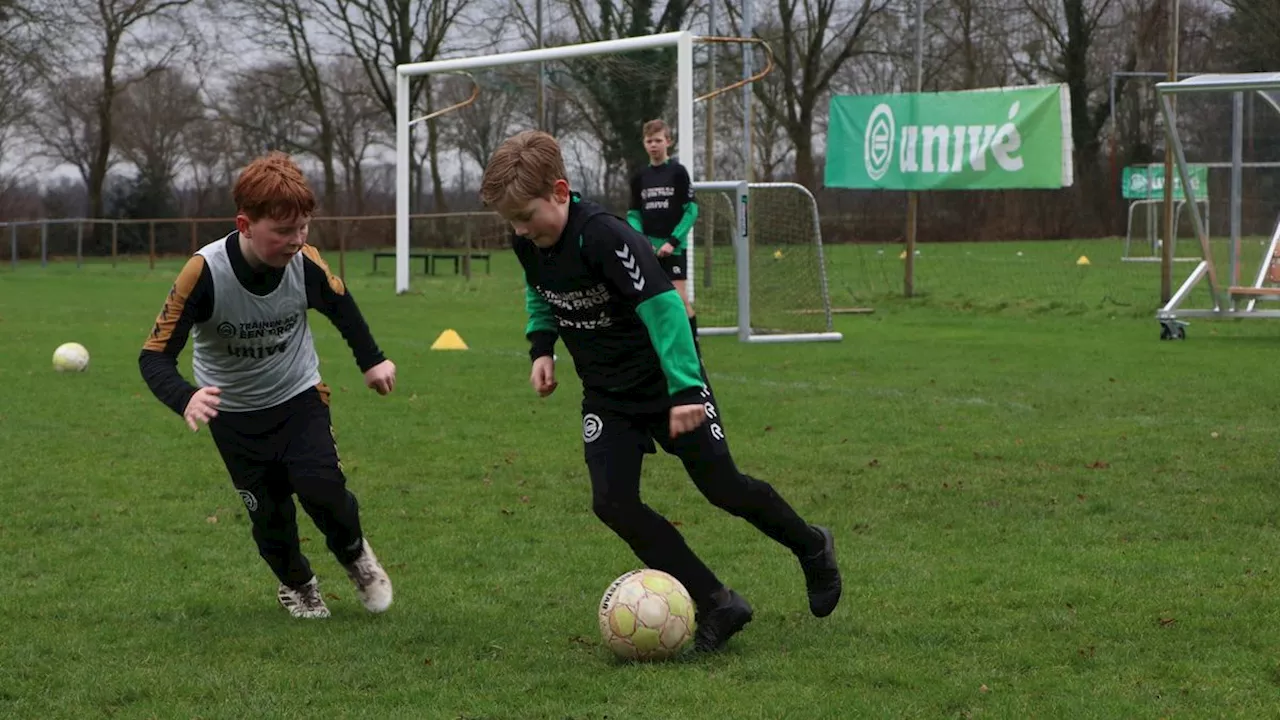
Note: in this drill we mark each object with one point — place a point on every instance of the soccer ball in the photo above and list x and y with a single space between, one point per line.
70 357
646 615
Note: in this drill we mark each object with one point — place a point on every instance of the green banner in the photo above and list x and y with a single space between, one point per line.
972 140
1146 182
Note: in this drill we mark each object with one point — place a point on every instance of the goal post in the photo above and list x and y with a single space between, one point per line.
682 41
759 271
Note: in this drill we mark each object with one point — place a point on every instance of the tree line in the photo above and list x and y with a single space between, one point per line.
147 108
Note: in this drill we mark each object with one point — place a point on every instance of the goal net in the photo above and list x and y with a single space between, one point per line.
595 98
759 271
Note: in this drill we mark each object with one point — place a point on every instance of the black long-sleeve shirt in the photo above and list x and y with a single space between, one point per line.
191 298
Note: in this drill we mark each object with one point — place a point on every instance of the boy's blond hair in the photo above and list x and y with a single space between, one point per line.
273 186
653 127
524 167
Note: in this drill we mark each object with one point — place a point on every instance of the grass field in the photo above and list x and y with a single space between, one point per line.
1041 511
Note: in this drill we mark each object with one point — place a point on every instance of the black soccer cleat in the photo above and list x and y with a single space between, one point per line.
717 625
822 576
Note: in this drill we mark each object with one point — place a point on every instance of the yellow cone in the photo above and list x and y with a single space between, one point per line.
449 340
902 255
1084 260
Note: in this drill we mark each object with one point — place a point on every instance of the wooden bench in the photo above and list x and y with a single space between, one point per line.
1249 291
429 259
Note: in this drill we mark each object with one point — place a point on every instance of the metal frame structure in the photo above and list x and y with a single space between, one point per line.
1224 298
741 192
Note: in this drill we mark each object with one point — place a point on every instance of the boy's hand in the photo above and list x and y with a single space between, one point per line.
685 418
543 376
202 407
666 249
381 377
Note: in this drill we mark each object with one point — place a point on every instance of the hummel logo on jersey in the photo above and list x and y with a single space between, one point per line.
633 267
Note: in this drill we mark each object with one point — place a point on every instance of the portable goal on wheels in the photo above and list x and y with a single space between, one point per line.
1223 300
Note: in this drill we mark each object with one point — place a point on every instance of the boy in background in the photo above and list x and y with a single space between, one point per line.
663 209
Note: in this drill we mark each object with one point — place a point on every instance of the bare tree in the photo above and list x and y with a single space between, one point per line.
811 41
1064 39
205 143
267 108
382 34
288 27
773 153
20 59
648 76
146 33
967 38
66 124
154 115
1252 29
480 127
358 122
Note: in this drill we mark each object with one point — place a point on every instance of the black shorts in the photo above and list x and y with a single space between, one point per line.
673 265
267 450
610 427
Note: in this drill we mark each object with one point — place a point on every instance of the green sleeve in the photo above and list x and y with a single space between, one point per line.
633 219
541 317
681 233
672 336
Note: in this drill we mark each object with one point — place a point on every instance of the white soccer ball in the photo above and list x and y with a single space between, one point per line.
646 615
70 357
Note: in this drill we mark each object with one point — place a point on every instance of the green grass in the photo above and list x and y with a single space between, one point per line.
1041 511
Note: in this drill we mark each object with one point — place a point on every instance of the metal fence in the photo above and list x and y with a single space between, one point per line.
81 240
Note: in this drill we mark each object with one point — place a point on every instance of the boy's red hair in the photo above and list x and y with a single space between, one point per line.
273 186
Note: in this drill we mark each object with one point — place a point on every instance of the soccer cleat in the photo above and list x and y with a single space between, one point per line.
717 625
303 602
822 576
372 584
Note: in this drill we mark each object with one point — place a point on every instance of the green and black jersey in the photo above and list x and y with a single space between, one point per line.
662 204
600 289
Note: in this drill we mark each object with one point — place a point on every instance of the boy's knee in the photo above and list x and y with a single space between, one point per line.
723 484
614 512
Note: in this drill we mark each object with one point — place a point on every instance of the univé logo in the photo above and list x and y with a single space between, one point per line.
878 143
938 148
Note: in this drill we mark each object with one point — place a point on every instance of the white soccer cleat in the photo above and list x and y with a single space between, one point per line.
303 602
372 584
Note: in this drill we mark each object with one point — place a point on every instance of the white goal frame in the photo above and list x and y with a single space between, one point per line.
681 40
742 262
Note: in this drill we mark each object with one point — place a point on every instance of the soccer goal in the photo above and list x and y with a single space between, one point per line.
1143 187
605 88
758 270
